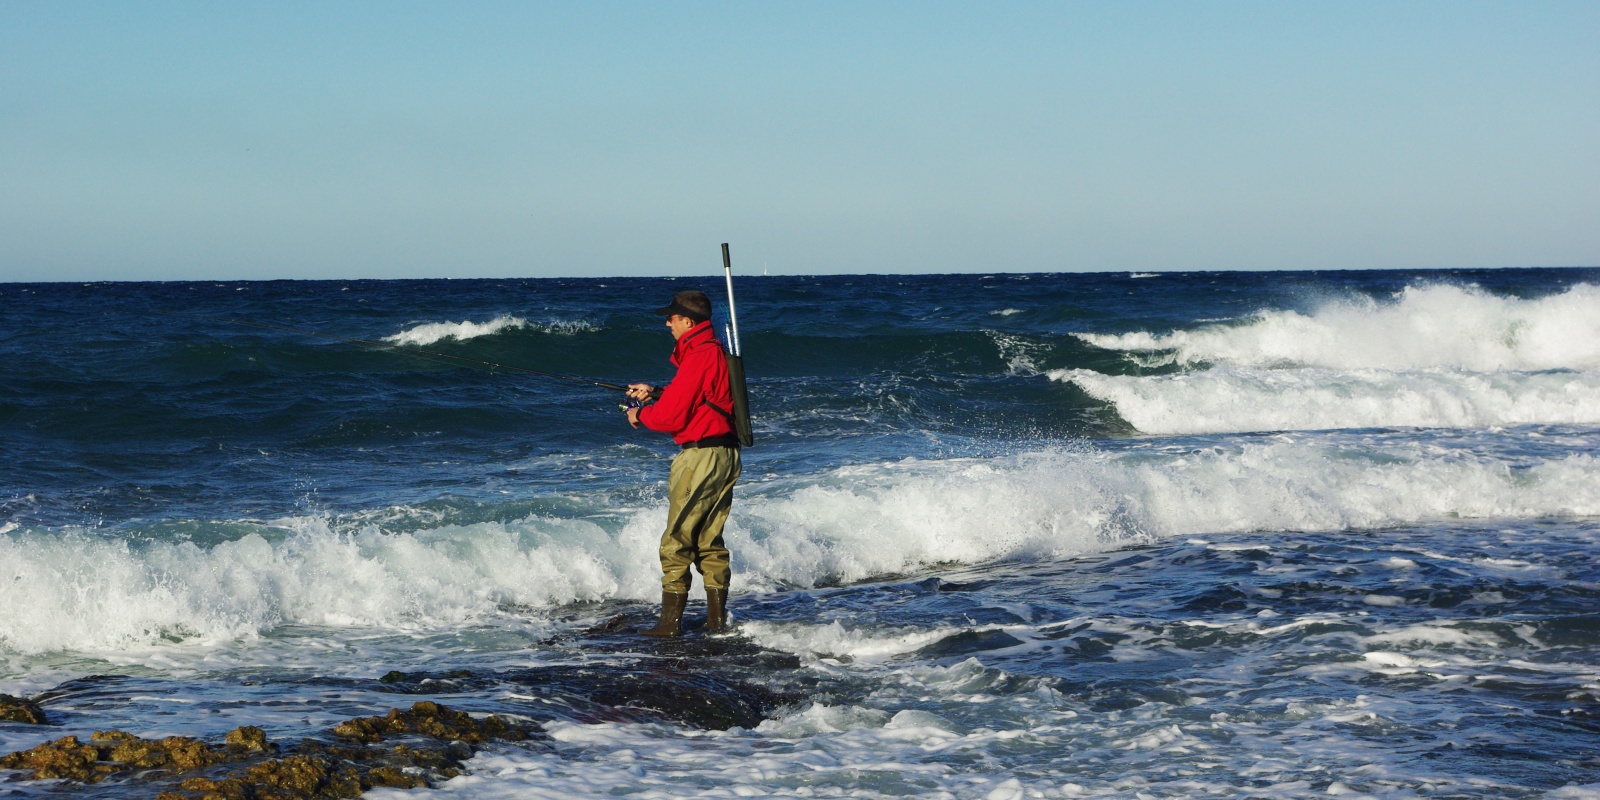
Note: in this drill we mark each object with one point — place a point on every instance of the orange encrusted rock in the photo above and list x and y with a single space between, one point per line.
429 719
21 709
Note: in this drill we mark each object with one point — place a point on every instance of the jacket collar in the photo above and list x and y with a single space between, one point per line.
691 338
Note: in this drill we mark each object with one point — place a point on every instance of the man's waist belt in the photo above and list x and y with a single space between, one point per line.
713 441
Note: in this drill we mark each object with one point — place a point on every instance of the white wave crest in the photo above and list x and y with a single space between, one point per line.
865 522
77 591
432 332
835 641
1234 399
1436 326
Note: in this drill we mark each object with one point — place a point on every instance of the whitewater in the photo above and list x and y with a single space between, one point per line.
1002 536
1431 356
847 526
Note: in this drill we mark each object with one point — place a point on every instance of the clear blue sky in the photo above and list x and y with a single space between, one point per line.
178 140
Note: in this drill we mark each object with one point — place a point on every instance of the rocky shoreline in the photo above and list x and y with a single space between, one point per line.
699 682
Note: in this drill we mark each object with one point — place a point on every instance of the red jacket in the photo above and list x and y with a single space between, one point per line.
702 376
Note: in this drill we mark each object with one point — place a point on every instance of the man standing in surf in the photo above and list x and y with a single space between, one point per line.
696 408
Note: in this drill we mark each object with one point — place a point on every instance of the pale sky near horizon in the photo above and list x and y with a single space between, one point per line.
199 140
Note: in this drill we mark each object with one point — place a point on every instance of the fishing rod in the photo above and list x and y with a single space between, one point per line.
424 354
733 317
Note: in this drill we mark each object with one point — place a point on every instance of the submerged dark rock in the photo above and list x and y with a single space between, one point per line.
616 624
705 682
680 691
966 643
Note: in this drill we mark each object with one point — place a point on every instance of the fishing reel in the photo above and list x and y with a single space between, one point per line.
634 402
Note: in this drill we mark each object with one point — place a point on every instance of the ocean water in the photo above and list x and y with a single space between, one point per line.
1264 535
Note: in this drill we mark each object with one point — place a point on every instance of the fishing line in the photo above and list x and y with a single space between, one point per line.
427 355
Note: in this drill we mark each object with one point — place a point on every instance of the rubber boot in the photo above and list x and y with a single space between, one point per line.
716 610
671 623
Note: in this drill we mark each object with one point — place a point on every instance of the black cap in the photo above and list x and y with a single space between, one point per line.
692 304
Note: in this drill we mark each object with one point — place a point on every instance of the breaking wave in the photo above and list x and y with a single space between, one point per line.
74 590
432 332
1233 400
1435 356
1423 327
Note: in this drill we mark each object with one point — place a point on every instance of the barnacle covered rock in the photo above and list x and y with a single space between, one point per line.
21 709
429 719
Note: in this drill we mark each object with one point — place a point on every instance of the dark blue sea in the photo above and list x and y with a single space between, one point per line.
1253 535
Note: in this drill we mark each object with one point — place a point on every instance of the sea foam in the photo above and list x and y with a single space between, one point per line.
73 590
